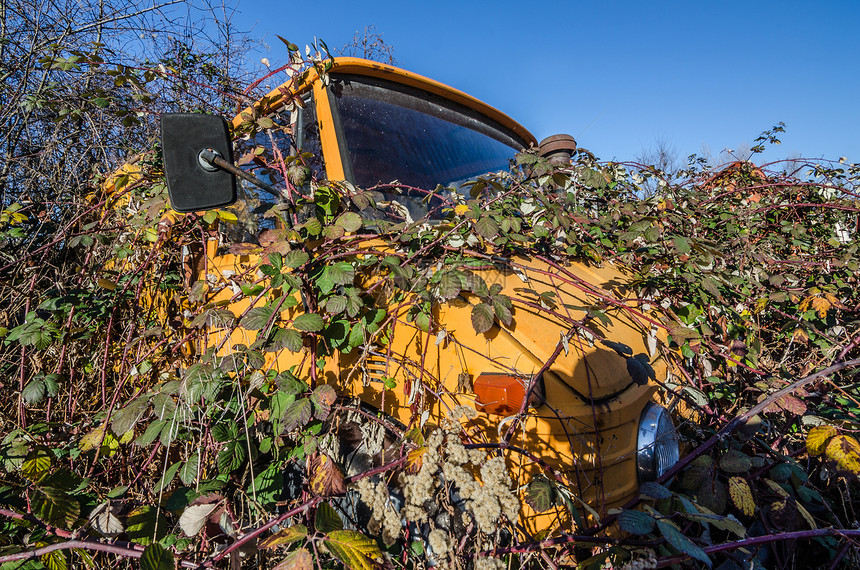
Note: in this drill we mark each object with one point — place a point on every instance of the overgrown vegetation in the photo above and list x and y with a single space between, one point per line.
148 417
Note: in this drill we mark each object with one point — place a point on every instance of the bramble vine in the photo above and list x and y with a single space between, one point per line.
151 419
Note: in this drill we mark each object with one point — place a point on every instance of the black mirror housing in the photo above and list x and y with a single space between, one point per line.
192 184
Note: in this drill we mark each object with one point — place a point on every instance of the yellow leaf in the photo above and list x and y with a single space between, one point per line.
55 560
355 550
170 216
834 301
778 513
804 305
845 451
38 463
285 536
461 209
109 444
805 515
817 438
299 560
741 495
414 459
799 335
107 284
228 217
821 306
775 487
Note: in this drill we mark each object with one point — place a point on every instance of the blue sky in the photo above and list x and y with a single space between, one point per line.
620 76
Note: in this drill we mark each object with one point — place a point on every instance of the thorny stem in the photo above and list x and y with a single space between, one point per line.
757 540
245 539
126 552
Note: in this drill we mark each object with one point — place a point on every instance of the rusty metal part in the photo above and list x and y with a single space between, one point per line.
557 148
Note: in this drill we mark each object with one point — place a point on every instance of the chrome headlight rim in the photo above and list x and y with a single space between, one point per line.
657 447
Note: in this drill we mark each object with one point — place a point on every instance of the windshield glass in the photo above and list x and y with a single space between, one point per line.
395 133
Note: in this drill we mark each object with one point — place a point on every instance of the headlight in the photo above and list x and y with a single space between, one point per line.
657 443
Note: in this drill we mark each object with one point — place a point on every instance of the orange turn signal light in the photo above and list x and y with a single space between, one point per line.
500 394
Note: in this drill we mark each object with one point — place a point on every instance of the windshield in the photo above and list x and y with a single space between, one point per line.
395 133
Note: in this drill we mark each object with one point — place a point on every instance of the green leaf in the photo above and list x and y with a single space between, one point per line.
168 476
258 317
145 525
711 287
312 226
681 543
295 258
287 338
55 560
124 420
681 244
33 392
655 491
353 304
289 384
55 507
487 227
482 317
297 414
309 322
349 221
354 550
249 290
268 485
502 309
156 557
152 432
450 285
336 304
735 461
636 522
188 472
37 463
327 519
422 321
232 456
327 199
117 492
340 273
729 523
541 494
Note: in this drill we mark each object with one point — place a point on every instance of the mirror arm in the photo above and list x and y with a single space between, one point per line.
209 156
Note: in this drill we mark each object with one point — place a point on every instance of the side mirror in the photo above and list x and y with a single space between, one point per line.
195 184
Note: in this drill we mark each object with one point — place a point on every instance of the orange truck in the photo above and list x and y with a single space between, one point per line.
590 419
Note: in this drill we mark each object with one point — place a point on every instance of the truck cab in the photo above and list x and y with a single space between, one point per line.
401 150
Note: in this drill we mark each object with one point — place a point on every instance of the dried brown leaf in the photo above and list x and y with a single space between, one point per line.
326 478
